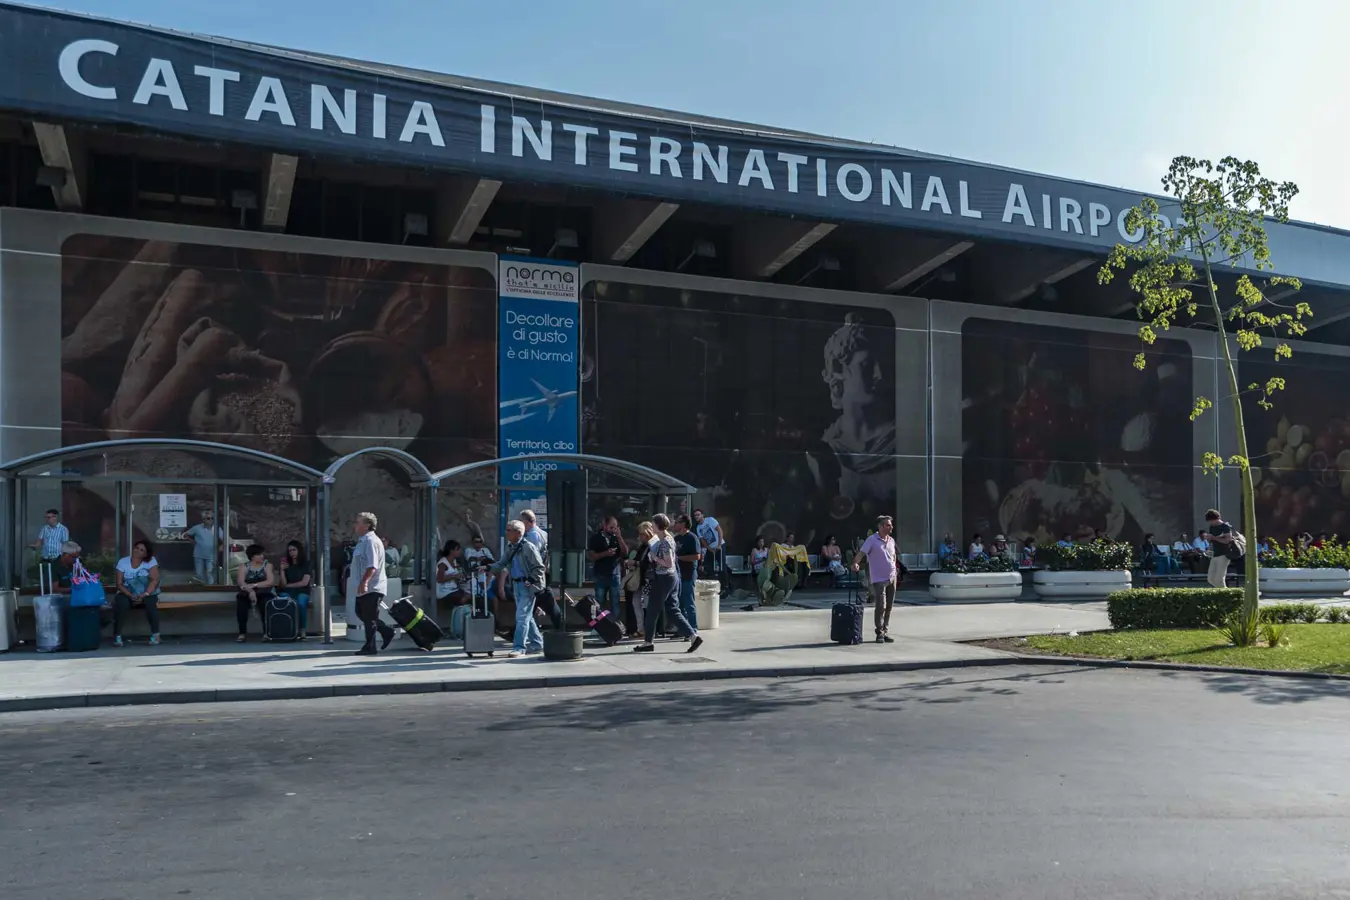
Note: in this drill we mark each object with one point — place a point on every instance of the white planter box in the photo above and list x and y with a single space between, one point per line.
1304 582
1080 585
975 587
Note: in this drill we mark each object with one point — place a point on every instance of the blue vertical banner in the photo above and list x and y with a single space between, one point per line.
538 366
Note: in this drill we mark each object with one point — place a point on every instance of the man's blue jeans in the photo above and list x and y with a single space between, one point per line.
528 636
687 602
608 595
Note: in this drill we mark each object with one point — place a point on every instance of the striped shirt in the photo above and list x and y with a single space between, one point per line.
52 537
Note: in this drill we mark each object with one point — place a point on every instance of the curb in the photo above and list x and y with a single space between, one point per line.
313 692
1096 663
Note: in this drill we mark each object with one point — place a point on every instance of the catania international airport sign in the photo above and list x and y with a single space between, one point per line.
66 65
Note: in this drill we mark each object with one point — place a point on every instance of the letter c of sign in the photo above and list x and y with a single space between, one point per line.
69 66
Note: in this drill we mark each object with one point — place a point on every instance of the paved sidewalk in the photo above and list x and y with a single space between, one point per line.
763 643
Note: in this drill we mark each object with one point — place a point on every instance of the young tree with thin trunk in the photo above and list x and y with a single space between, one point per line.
1222 210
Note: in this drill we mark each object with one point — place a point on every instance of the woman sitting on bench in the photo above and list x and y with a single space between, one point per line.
137 584
295 580
256 582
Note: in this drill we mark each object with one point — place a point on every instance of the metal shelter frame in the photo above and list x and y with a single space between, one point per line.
661 486
424 513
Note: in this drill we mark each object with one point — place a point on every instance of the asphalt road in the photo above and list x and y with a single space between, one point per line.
965 784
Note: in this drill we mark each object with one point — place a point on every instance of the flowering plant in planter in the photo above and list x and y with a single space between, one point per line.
1098 556
962 566
1331 555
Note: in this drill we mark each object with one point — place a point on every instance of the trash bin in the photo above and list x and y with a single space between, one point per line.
84 628
9 629
707 604
50 612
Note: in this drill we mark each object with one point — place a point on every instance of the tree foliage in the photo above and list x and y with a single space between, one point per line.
1222 210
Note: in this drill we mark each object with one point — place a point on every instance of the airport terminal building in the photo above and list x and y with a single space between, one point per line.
304 255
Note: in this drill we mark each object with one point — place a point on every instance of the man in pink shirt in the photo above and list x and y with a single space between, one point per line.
879 549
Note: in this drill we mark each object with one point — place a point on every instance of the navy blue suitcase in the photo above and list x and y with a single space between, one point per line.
846 623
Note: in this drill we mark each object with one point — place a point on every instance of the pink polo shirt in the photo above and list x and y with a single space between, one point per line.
880 553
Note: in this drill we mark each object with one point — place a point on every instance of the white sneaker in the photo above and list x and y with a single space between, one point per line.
515 654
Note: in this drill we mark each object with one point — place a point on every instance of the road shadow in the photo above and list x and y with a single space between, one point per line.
368 665
679 706
1270 690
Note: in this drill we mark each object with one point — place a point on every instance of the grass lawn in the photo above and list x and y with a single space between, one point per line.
1310 648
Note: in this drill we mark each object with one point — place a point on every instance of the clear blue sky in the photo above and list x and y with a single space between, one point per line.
1092 89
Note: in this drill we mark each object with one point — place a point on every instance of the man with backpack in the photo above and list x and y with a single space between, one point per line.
1226 543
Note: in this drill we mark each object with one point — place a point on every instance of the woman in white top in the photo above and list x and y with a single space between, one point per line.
759 555
449 574
976 547
665 585
137 583
833 555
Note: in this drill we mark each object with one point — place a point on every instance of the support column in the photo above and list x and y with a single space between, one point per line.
319 600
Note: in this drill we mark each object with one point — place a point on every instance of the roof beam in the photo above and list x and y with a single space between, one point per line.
1316 322
765 247
460 207
278 185
60 152
903 259
622 226
1059 274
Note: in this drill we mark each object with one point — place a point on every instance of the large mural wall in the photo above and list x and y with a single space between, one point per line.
304 349
792 410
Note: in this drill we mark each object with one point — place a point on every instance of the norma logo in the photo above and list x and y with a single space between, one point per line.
524 279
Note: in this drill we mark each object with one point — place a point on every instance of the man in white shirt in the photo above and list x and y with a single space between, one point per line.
478 559
372 584
206 536
539 537
51 536
711 540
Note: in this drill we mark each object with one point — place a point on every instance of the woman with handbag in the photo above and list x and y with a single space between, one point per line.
137 585
663 589
636 579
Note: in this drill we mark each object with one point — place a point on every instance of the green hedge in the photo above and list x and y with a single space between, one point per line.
1172 607
1305 613
1098 556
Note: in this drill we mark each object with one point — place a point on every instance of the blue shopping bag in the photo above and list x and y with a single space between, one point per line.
85 589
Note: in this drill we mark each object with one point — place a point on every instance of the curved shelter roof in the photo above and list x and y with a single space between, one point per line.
162 459
646 477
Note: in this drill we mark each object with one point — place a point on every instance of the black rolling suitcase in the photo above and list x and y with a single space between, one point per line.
846 623
416 624
281 618
609 628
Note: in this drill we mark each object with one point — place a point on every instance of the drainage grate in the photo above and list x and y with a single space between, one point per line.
690 659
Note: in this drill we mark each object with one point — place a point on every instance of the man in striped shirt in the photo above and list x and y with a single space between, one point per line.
52 536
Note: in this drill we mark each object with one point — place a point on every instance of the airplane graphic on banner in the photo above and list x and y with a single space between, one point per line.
525 406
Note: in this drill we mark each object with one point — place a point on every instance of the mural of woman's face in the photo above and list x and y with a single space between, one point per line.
862 378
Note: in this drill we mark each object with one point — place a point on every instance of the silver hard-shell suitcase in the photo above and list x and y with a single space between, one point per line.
479 626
